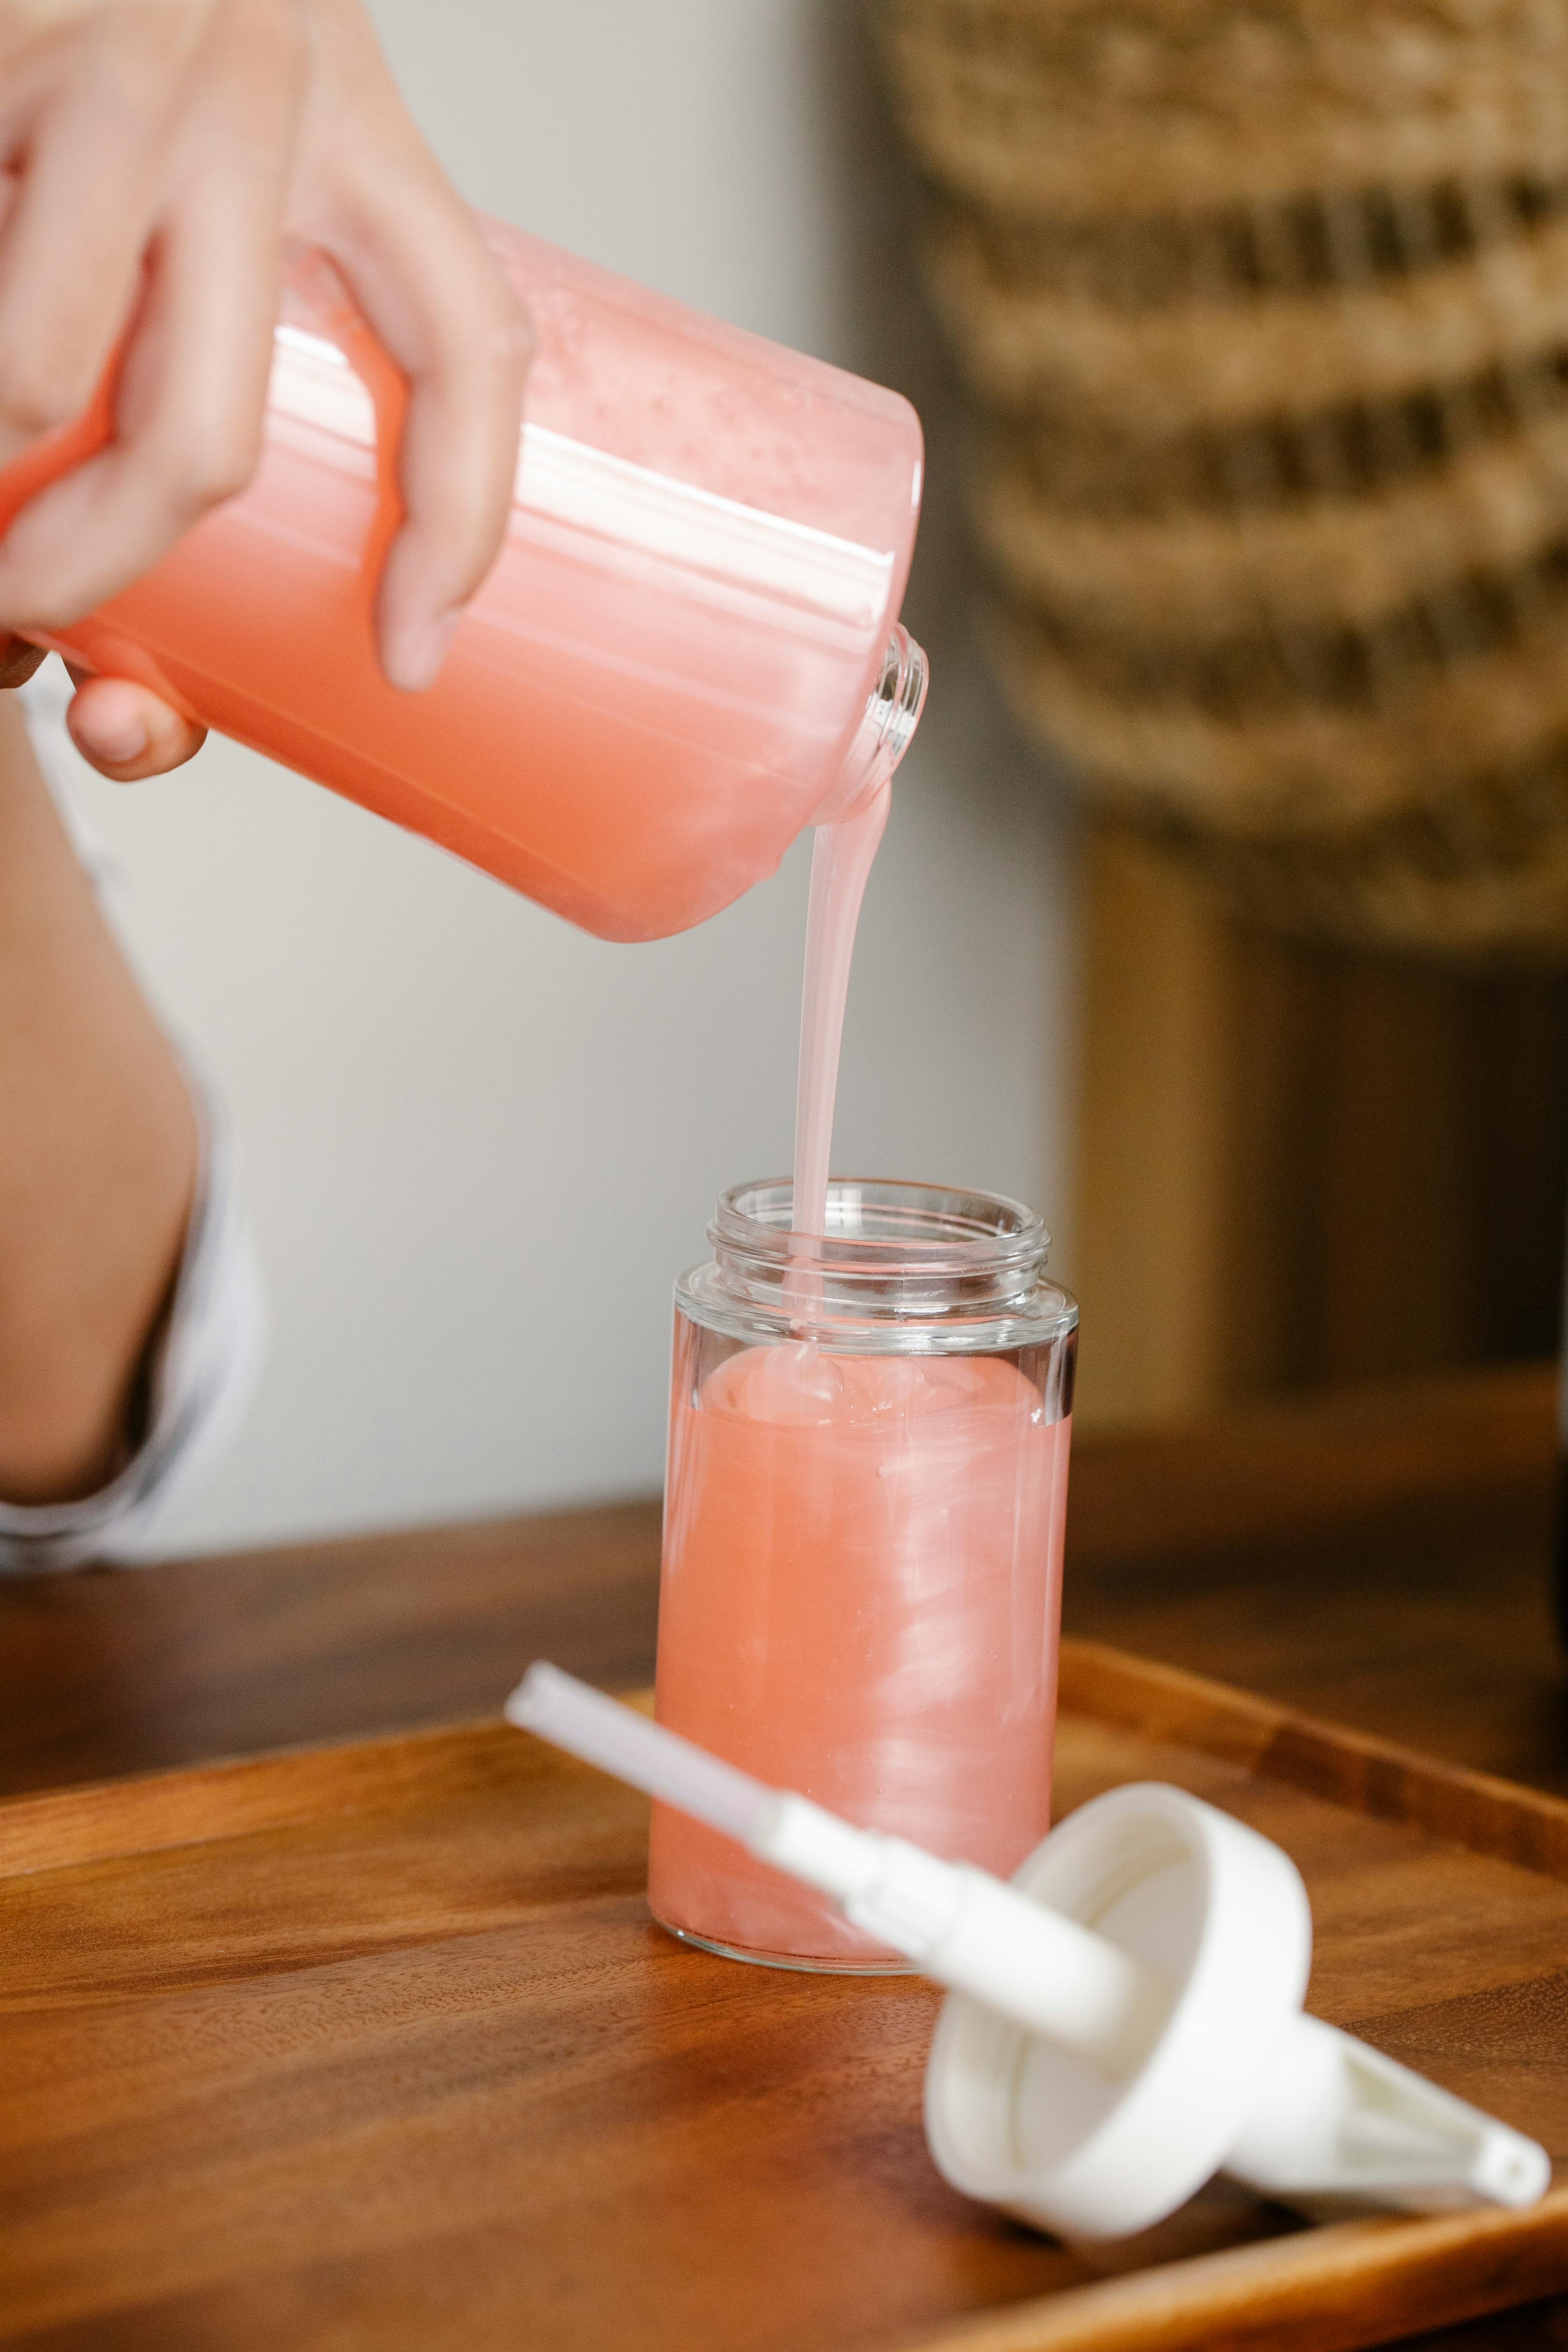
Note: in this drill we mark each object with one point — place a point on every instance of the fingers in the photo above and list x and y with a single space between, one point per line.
439 305
152 217
108 87
462 341
417 266
128 733
193 379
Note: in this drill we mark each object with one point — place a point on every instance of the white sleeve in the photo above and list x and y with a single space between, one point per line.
200 1381
207 1360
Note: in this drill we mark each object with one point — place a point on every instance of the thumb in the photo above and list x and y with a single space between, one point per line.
126 733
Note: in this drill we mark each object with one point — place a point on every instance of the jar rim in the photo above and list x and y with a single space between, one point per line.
885 1224
902 1268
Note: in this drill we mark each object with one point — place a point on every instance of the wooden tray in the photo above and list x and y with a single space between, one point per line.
376 2046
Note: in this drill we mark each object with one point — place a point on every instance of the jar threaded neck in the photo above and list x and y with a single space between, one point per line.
901 1265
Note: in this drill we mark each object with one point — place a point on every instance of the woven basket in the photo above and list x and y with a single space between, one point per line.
1266 307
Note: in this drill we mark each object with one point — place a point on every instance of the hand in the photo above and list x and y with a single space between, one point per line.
163 151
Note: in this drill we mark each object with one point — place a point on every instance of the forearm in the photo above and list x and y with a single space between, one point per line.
98 1158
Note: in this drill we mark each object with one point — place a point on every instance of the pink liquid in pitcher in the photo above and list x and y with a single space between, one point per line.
862 1557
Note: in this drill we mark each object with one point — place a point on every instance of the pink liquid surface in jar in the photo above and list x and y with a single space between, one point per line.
860 1601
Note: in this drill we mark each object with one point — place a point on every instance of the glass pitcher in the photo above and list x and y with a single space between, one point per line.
686 652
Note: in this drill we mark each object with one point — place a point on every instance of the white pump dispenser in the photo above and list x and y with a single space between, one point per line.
1125 2017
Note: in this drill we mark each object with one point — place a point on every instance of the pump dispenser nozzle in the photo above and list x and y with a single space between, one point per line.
1125 2017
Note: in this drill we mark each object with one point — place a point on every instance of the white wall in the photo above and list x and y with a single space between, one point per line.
480 1145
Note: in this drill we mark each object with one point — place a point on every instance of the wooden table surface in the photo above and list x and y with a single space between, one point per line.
1379 1558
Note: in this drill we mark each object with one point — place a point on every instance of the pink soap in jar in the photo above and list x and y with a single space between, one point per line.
863 1541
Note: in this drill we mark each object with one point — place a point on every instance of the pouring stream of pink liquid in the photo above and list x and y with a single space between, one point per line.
841 860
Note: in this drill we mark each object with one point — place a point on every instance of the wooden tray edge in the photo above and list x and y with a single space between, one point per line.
192 1805
1352 1769
244 1796
1309 2292
152 1813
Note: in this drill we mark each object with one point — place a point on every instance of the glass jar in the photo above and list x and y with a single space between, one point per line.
863 1526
